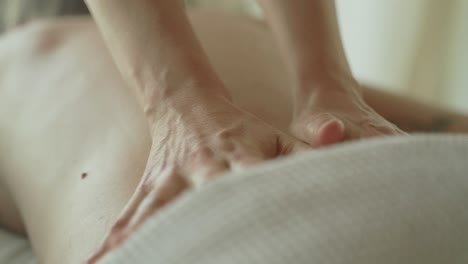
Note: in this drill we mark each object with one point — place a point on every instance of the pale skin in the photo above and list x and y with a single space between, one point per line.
142 35
328 105
65 111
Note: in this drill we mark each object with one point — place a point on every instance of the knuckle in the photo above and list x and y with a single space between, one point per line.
147 186
203 154
227 146
224 140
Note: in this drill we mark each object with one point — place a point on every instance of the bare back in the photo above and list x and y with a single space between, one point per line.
73 139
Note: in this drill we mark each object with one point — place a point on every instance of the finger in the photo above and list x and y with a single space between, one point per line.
288 145
96 256
321 130
165 190
207 172
143 188
131 207
353 132
330 132
395 130
402 132
113 238
111 242
94 259
162 193
379 131
299 147
242 162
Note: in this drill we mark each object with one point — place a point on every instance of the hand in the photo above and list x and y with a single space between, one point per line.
191 146
329 116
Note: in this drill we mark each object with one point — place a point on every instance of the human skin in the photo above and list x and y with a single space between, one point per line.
63 114
157 53
79 117
328 101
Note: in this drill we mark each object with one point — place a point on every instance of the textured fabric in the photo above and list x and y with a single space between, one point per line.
14 250
396 200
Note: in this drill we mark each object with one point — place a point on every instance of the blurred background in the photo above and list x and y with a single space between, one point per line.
416 47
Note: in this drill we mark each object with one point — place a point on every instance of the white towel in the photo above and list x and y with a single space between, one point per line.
14 249
395 200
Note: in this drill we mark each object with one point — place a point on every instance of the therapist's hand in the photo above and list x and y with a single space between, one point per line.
333 113
194 141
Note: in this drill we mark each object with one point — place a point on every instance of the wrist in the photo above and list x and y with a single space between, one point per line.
318 86
313 80
192 98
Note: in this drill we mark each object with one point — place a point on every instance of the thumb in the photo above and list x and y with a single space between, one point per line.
321 131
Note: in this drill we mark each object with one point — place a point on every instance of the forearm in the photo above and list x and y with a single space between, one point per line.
154 47
309 38
414 116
